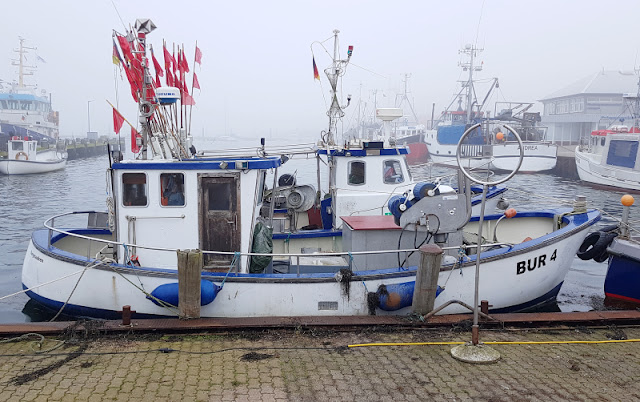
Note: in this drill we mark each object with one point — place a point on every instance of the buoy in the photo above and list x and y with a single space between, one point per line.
627 200
499 136
510 213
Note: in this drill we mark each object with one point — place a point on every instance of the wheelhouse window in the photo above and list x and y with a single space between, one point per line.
393 172
134 187
17 146
622 153
356 173
172 188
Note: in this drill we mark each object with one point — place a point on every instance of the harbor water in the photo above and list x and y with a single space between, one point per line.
27 201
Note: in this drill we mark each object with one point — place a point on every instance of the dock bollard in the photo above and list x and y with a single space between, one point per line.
126 314
189 273
424 292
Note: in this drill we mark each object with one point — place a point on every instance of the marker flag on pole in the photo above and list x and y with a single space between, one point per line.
156 65
185 63
315 70
167 58
118 120
196 83
198 57
134 144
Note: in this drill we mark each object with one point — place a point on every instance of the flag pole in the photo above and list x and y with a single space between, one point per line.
194 72
125 119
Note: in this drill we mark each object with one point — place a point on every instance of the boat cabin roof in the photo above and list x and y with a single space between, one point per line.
201 164
613 130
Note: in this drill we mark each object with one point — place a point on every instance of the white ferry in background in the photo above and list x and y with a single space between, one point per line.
26 111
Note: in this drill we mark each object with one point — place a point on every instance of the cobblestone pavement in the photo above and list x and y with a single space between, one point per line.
310 365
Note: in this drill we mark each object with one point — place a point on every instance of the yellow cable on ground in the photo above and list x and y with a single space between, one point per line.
489 343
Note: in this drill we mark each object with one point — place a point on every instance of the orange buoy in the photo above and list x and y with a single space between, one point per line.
510 213
499 136
627 200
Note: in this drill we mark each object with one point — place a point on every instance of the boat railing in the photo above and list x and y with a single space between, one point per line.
474 151
50 225
305 148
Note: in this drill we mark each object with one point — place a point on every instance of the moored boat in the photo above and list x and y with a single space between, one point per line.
610 157
169 199
23 157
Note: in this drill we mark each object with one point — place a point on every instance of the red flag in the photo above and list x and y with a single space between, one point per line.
198 57
157 83
180 66
196 83
134 144
187 100
124 45
315 70
174 64
185 64
118 119
170 78
167 58
156 65
132 82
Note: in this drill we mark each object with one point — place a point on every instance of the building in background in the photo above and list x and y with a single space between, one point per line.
592 103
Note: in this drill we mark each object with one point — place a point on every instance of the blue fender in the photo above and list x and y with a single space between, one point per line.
168 293
397 296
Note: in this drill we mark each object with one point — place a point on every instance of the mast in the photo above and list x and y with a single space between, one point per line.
143 27
472 51
405 97
333 73
20 62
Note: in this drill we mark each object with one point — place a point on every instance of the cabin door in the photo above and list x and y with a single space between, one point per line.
219 218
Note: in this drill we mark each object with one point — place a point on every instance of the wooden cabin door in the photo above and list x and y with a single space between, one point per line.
219 218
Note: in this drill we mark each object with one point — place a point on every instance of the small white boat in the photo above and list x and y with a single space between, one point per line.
23 158
169 199
610 158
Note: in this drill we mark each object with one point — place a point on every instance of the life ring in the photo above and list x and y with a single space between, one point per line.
21 153
595 246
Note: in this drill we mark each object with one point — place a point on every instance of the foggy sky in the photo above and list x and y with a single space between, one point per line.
256 73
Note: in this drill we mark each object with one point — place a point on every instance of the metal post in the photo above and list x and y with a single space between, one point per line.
424 292
475 333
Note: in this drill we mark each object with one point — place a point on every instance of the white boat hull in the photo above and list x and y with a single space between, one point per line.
591 170
538 157
520 277
46 162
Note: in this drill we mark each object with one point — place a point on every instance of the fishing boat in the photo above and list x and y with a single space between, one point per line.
24 111
23 157
617 245
609 157
491 146
410 133
225 212
540 155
